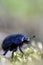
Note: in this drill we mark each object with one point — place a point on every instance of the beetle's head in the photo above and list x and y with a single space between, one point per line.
28 40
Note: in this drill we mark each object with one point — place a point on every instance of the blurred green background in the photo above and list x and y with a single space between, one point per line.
22 7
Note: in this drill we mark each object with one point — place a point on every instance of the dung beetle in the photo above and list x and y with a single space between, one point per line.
12 42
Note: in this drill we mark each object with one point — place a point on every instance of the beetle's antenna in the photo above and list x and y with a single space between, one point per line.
33 37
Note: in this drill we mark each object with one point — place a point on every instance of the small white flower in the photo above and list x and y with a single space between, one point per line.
39 45
29 58
35 50
33 43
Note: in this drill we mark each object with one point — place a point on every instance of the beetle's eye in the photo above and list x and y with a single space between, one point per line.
28 39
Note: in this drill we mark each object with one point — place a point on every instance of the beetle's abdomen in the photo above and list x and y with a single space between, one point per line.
6 45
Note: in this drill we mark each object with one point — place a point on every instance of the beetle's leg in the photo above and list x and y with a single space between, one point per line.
21 49
13 52
5 52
